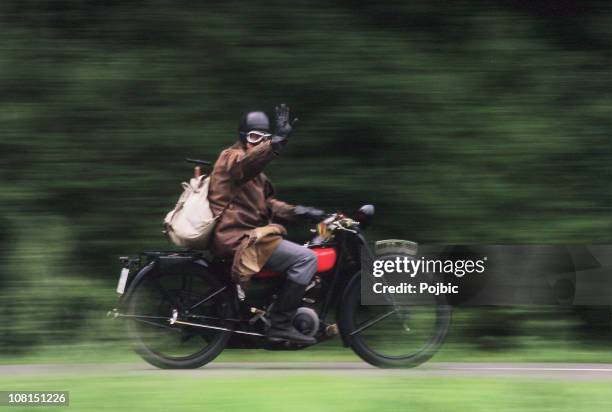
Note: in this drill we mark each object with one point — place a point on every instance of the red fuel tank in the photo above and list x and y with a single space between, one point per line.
326 259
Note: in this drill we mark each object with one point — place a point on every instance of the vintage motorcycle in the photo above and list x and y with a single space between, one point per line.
182 309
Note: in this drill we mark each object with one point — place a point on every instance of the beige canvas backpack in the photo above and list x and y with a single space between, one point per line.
191 223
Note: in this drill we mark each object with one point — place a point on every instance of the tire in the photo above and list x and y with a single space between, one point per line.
142 298
362 343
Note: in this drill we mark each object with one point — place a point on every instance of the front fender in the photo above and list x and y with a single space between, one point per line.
354 282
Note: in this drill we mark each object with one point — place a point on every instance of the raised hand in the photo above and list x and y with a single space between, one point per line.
284 127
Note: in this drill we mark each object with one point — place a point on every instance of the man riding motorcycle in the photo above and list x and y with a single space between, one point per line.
242 197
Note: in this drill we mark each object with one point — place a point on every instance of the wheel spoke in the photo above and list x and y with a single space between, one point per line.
212 295
371 322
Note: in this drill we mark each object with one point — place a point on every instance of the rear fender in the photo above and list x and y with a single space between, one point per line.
133 281
164 264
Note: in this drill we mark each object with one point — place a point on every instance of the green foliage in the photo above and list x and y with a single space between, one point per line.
463 123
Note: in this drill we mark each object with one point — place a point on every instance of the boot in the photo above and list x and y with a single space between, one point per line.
282 313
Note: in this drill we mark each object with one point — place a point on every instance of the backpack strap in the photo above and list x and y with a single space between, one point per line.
227 205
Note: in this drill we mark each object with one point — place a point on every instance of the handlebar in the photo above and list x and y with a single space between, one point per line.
338 221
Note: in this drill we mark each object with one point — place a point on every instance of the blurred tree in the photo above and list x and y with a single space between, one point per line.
468 122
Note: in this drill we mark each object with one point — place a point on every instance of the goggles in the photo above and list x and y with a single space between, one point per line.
255 136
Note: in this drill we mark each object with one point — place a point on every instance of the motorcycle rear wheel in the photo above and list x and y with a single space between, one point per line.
401 336
174 346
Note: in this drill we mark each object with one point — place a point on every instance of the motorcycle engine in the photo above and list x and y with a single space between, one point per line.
306 321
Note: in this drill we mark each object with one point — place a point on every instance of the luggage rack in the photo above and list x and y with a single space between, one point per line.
148 256
151 255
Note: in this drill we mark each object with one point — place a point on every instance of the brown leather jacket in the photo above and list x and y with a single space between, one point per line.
237 180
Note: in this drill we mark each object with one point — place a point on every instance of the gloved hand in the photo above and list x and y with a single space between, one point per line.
284 127
309 212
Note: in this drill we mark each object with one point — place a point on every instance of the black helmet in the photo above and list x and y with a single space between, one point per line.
253 121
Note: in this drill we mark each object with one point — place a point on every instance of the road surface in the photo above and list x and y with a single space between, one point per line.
561 371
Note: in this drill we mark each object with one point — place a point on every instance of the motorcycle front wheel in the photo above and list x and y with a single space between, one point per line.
190 294
393 336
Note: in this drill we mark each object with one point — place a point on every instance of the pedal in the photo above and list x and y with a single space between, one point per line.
315 282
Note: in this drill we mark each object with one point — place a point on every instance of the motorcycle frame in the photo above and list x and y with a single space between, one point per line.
165 259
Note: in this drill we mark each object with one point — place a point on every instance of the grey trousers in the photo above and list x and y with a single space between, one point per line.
299 262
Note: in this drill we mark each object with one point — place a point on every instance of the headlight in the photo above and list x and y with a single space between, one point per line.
364 215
